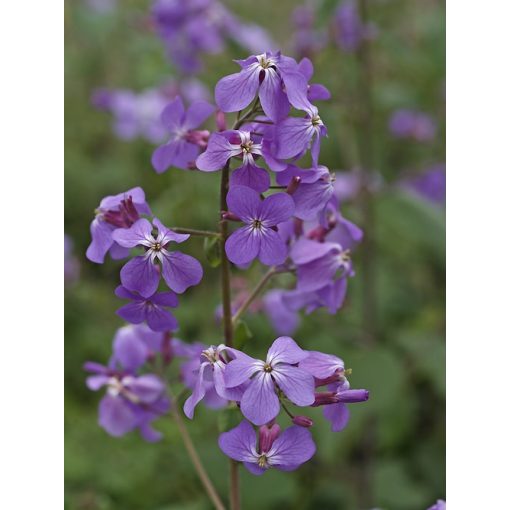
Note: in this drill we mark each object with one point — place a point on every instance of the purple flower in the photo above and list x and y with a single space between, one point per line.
430 185
141 274
134 114
257 238
285 451
440 505
295 135
260 402
180 151
284 319
315 91
229 144
307 41
349 28
266 74
114 212
314 191
412 124
209 375
318 263
150 309
132 401
322 365
335 400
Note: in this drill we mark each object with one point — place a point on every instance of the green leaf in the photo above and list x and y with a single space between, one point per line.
242 334
228 418
212 251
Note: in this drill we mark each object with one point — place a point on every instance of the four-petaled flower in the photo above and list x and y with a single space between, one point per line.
228 144
285 451
275 77
141 275
211 368
260 402
180 151
295 135
257 238
150 309
117 211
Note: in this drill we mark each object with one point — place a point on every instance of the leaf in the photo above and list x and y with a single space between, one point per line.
242 334
212 251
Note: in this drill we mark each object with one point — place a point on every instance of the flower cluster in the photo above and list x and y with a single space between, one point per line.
412 124
261 388
193 27
134 398
297 230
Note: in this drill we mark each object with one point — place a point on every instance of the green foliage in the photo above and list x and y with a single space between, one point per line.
403 368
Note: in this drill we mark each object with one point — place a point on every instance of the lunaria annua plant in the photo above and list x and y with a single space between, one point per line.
273 212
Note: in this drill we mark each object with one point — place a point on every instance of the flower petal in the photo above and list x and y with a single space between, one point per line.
273 100
260 403
129 349
148 388
239 443
167 298
133 312
276 209
169 235
140 275
219 151
236 91
338 415
159 319
240 370
197 114
101 233
251 176
320 364
244 202
242 245
181 271
285 350
292 448
273 251
298 385
198 393
115 416
173 115
139 232
292 137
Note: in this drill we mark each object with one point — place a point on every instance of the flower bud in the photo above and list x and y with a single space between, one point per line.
227 215
302 421
221 121
353 396
198 137
325 398
293 185
267 435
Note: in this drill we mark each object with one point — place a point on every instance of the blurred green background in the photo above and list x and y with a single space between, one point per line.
391 455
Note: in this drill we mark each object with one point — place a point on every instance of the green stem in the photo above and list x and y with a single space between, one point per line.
195 232
255 292
195 459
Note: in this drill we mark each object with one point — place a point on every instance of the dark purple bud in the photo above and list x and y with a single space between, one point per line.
293 185
336 377
198 137
267 435
353 396
226 215
298 227
325 398
221 121
302 421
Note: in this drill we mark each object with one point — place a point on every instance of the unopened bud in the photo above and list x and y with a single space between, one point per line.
198 137
293 185
353 396
227 215
325 398
302 421
221 121
267 435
